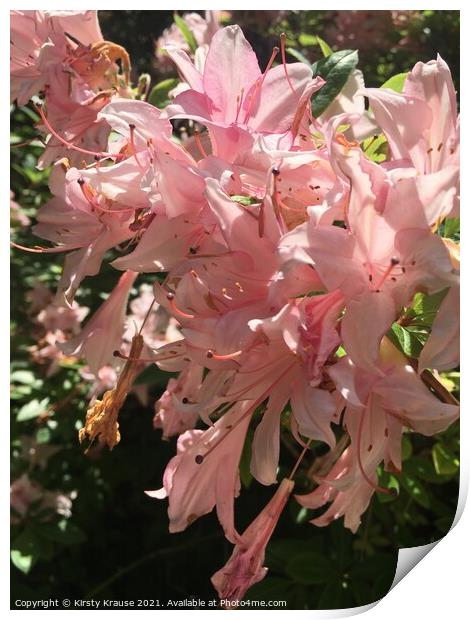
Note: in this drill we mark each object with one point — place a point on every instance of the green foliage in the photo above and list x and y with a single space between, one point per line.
310 568
396 82
186 32
335 70
376 148
159 96
405 340
307 40
412 333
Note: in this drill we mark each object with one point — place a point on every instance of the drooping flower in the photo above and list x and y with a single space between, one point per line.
377 411
245 566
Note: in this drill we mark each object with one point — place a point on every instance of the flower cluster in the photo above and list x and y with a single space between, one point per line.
282 250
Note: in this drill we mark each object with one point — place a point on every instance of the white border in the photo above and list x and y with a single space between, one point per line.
437 588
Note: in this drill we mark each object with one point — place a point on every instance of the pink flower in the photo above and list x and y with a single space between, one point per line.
102 333
232 92
245 566
204 473
82 219
442 348
172 413
381 260
62 318
24 492
378 408
63 54
17 214
203 29
348 500
431 140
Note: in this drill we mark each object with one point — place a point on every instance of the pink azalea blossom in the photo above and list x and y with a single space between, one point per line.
171 414
102 333
24 492
232 92
378 408
382 258
204 473
245 566
17 214
442 349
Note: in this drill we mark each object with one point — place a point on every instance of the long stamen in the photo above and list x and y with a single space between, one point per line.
283 56
147 316
68 144
90 195
37 249
228 356
197 140
393 263
211 354
277 211
239 103
299 460
171 299
133 147
274 53
259 84
153 360
261 220
200 457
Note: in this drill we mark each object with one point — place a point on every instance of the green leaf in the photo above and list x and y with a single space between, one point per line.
406 448
452 228
325 48
388 481
22 561
406 340
396 82
306 40
416 490
186 32
444 461
310 567
22 376
32 409
376 148
423 469
159 94
297 55
24 551
246 201
335 70
428 305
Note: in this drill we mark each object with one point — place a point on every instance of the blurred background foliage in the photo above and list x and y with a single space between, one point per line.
89 530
